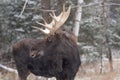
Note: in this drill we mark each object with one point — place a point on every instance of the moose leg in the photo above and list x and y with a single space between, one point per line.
22 69
65 75
20 56
22 72
65 79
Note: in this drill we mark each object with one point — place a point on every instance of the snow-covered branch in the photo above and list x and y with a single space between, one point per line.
8 69
24 7
117 36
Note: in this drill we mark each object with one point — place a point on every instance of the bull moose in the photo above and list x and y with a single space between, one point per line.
57 55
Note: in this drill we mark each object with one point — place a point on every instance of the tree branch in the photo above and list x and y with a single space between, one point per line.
24 7
8 69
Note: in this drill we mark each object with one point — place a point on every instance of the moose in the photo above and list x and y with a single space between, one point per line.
56 55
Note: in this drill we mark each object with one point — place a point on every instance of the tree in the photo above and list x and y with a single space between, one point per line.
106 24
78 15
46 6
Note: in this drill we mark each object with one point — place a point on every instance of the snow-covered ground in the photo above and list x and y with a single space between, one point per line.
86 72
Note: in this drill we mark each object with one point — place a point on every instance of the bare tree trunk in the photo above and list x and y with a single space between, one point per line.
59 6
78 15
101 54
46 6
109 53
106 17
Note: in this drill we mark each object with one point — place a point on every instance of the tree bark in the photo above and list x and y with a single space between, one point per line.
78 15
46 6
109 53
106 17
101 56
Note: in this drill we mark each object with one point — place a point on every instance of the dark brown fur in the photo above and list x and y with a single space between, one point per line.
56 56
21 52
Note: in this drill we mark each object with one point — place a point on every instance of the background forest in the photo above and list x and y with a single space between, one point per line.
98 38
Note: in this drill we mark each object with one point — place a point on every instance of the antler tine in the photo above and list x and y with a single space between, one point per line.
62 18
53 13
57 21
44 21
69 9
45 25
45 31
63 7
56 18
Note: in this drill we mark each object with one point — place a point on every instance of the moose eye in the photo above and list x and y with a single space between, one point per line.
33 54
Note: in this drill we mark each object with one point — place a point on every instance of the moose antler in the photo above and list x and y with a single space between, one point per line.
56 23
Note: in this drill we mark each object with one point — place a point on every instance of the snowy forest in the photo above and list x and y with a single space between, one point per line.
95 23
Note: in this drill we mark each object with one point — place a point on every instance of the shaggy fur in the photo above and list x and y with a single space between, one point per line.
55 56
